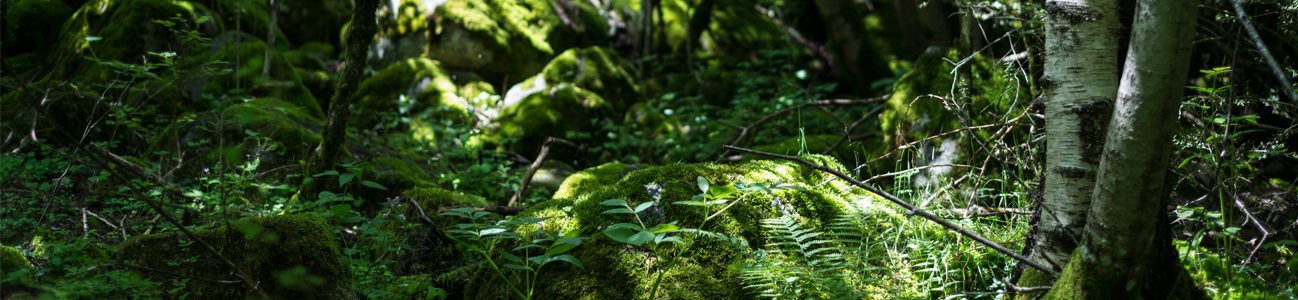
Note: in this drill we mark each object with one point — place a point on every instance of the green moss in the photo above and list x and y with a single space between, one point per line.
509 39
597 69
1033 277
589 180
736 29
428 91
124 31
292 256
562 109
815 144
12 260
398 174
432 198
705 271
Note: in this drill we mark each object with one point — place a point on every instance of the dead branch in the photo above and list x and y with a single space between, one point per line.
536 164
910 208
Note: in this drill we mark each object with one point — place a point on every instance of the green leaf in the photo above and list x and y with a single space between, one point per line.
703 184
664 228
490 231
562 248
619 211
568 258
614 202
327 173
345 178
640 238
643 206
373 185
622 232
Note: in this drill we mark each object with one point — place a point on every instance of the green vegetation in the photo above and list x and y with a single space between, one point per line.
160 148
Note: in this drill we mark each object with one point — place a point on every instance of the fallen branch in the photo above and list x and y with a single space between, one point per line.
1285 87
536 164
424 216
910 208
1252 219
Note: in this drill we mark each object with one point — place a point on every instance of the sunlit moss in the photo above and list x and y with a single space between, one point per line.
12 260
704 272
591 179
421 83
432 198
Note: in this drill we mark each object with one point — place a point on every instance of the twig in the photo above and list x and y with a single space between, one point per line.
1252 219
915 169
910 208
1285 86
424 216
745 131
536 164
847 133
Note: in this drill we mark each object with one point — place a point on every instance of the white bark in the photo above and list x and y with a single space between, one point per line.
1080 83
1130 184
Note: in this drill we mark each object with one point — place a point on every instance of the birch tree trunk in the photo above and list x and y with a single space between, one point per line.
1080 82
1120 251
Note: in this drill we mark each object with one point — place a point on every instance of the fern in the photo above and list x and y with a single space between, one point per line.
802 262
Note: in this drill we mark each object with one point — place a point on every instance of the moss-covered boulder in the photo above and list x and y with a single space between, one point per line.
706 270
121 30
510 39
591 179
736 28
431 198
12 260
417 87
291 256
597 69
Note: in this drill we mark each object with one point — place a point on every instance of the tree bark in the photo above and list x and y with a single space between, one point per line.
853 57
1120 252
359 36
1080 82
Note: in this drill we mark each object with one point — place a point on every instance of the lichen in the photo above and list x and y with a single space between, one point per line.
264 248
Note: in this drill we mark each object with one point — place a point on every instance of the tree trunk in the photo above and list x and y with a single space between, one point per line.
853 57
699 22
1080 82
1120 250
359 36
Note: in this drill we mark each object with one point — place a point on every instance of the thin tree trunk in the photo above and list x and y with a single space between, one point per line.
359 36
699 22
1119 252
1080 83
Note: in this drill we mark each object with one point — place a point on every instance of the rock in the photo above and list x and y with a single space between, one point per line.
12 260
625 272
417 88
551 174
291 256
575 89
432 198
508 40
116 31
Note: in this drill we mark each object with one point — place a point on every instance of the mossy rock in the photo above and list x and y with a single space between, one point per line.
121 30
706 271
510 39
431 198
291 256
12 260
597 69
417 87
554 111
589 180
398 174
29 24
736 29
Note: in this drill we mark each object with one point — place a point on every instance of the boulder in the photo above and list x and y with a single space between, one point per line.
291 256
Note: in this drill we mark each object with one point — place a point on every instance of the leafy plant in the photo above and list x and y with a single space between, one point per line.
486 236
